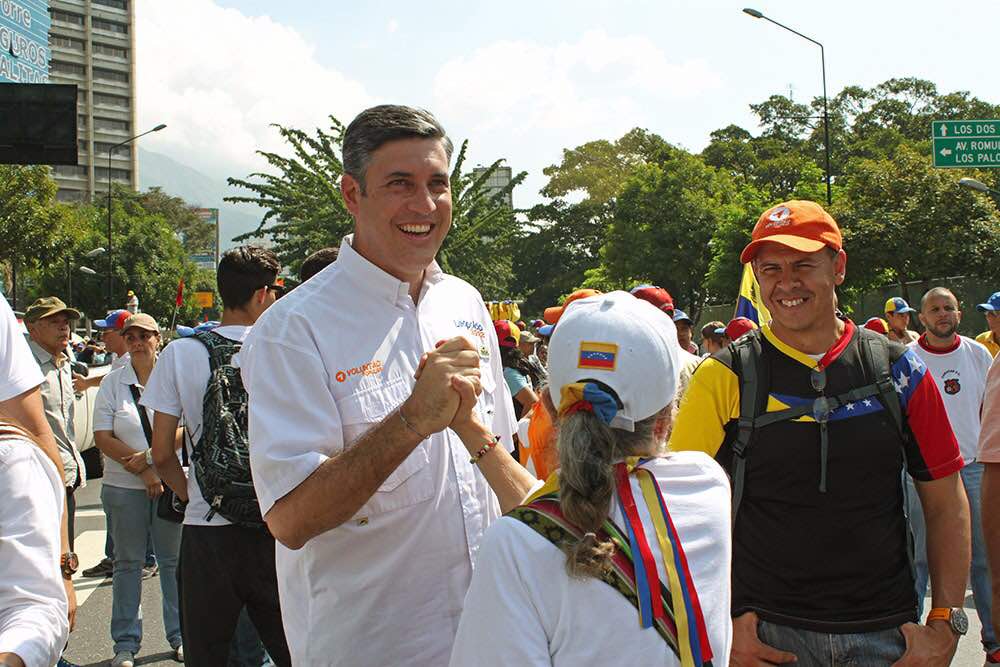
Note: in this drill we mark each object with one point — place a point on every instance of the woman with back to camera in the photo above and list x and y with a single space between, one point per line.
622 526
129 491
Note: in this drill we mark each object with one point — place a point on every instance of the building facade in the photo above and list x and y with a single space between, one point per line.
497 181
92 45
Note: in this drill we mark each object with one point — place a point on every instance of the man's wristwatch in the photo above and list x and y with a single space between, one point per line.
955 616
69 564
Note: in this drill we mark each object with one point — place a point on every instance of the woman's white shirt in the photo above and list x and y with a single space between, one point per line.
115 410
523 609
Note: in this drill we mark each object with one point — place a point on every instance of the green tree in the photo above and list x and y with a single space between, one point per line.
662 226
35 230
195 234
905 221
601 168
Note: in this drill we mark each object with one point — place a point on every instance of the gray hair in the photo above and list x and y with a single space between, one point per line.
379 125
588 449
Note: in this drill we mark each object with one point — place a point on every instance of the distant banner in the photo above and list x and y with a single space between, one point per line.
204 299
750 304
24 41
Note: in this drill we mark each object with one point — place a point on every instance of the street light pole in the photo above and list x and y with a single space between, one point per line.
110 253
826 116
978 186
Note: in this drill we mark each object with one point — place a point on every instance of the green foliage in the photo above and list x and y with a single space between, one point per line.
301 198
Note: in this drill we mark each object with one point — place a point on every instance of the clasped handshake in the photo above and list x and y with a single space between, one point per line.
448 384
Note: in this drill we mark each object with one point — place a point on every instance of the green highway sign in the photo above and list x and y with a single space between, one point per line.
966 143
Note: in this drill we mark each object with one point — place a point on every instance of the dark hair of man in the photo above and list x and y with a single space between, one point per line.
244 270
379 125
511 357
316 262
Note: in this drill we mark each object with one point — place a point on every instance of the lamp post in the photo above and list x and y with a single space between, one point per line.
826 117
978 186
110 253
69 272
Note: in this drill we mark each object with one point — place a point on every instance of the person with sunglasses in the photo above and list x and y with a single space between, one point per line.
815 419
227 567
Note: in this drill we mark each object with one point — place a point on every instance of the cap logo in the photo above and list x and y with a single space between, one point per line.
779 217
598 356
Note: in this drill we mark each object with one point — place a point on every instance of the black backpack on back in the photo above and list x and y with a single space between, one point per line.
221 457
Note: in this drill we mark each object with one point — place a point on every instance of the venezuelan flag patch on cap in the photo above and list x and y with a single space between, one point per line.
600 356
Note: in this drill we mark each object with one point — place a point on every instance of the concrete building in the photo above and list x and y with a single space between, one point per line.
92 44
498 180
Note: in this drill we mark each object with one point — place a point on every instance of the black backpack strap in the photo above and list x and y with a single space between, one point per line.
220 349
747 363
143 417
877 362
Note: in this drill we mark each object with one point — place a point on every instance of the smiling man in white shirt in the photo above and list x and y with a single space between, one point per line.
379 507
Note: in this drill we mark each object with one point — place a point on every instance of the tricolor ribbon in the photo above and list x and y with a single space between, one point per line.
590 397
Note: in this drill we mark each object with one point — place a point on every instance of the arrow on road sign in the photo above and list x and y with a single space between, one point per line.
946 152
944 130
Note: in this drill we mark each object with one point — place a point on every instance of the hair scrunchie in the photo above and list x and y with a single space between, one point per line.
588 397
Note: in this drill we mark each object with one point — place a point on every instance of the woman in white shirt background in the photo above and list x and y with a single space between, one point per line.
129 490
546 589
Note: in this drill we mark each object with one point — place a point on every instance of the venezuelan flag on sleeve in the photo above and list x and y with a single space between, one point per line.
749 304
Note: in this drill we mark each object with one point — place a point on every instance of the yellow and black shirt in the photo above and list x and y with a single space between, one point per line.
833 561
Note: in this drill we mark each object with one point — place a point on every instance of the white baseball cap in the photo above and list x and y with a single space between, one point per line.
622 342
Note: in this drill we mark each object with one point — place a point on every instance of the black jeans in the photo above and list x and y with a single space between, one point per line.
71 515
223 569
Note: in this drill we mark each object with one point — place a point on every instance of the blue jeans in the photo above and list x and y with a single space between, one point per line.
879 648
132 518
109 542
246 649
979 573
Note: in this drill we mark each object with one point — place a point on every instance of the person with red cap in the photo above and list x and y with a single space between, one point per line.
688 361
516 369
878 325
814 418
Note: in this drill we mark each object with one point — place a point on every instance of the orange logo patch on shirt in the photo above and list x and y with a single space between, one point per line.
373 367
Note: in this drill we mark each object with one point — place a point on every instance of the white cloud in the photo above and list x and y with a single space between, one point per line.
526 101
393 26
218 78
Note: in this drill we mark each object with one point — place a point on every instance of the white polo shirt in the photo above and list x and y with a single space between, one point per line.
960 374
115 410
322 366
33 613
523 608
18 370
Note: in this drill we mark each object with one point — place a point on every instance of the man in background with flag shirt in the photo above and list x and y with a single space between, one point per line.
820 564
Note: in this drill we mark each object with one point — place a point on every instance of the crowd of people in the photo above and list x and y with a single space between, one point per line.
371 470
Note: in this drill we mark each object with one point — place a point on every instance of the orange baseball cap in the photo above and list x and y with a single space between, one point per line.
553 314
797 224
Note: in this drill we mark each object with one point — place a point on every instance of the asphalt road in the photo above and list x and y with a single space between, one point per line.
90 644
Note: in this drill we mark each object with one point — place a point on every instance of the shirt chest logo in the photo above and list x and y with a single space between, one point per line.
373 367
952 382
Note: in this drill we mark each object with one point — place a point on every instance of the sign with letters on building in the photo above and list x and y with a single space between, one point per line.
24 41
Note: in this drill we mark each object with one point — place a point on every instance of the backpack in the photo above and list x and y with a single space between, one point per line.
754 382
221 457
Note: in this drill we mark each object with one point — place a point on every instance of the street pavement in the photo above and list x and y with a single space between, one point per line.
90 644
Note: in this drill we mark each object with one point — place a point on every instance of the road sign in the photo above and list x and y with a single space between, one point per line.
966 143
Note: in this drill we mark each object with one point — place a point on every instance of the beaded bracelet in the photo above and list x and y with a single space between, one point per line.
485 450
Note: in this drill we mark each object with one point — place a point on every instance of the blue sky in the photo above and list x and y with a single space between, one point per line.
522 80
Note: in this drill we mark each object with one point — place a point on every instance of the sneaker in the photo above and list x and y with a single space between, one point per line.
150 571
103 569
123 659
179 653
63 662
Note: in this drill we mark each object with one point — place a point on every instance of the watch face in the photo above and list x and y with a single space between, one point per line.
959 621
72 561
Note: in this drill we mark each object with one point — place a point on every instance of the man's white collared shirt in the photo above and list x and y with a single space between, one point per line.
322 366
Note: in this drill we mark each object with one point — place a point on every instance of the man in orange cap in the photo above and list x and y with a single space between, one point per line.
814 417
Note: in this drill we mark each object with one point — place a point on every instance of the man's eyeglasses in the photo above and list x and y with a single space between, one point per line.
278 290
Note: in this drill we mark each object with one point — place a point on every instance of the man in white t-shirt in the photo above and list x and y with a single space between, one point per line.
379 507
223 567
960 366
